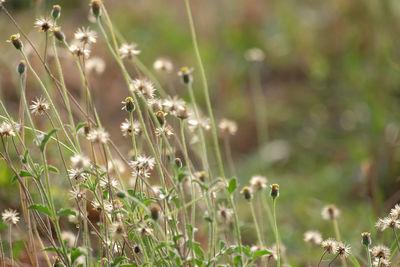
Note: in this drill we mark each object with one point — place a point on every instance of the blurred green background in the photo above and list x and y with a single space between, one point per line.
330 85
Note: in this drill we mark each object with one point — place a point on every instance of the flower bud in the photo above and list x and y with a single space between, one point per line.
15 39
178 163
247 193
137 249
60 36
160 117
96 8
120 194
274 190
21 68
56 12
366 239
186 74
129 105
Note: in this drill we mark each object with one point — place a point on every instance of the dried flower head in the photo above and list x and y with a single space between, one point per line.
186 74
343 249
258 182
395 212
117 231
145 231
381 263
224 214
80 51
380 252
39 106
173 104
247 192
128 51
79 161
77 175
145 87
313 237
10 216
330 246
388 222
155 212
163 65
126 128
194 123
95 65
228 127
85 36
6 129
77 193
164 130
254 54
98 135
142 166
330 212
43 24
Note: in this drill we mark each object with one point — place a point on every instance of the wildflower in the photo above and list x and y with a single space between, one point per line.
77 193
6 129
388 222
85 36
254 55
77 175
55 12
172 105
105 206
15 39
395 212
186 74
330 212
109 183
79 161
128 51
224 214
155 104
313 237
158 193
117 231
381 263
128 104
145 87
126 128
96 7
343 249
274 191
247 193
228 127
79 51
43 24
380 252
182 113
69 238
21 68
258 182
98 135
366 239
39 106
166 130
10 216
330 246
95 64
163 65
60 36
142 166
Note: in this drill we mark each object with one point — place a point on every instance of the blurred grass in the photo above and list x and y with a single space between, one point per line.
331 86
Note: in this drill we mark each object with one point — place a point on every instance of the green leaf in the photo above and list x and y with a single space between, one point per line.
237 259
80 125
232 185
63 211
118 261
197 249
40 208
52 169
22 173
46 139
75 253
260 253
24 158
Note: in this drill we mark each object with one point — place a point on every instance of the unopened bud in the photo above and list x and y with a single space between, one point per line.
15 39
96 8
366 239
60 36
21 68
56 12
274 190
160 117
178 163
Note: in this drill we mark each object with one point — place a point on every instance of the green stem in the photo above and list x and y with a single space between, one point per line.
133 134
368 256
278 261
259 236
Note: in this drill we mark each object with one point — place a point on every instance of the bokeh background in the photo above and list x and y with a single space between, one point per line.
330 91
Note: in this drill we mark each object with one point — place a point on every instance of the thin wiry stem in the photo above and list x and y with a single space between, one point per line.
320 260
278 261
368 256
337 255
259 235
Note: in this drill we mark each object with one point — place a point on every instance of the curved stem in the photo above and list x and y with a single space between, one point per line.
337 255
320 260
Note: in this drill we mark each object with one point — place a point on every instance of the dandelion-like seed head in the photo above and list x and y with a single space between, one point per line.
145 87
228 127
388 222
164 130
313 237
142 166
343 249
77 193
85 36
330 212
6 129
128 51
39 106
98 135
395 212
258 182
381 263
10 216
145 231
380 252
95 65
77 175
186 74
118 231
80 51
224 214
79 161
43 24
329 245
163 65
126 128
